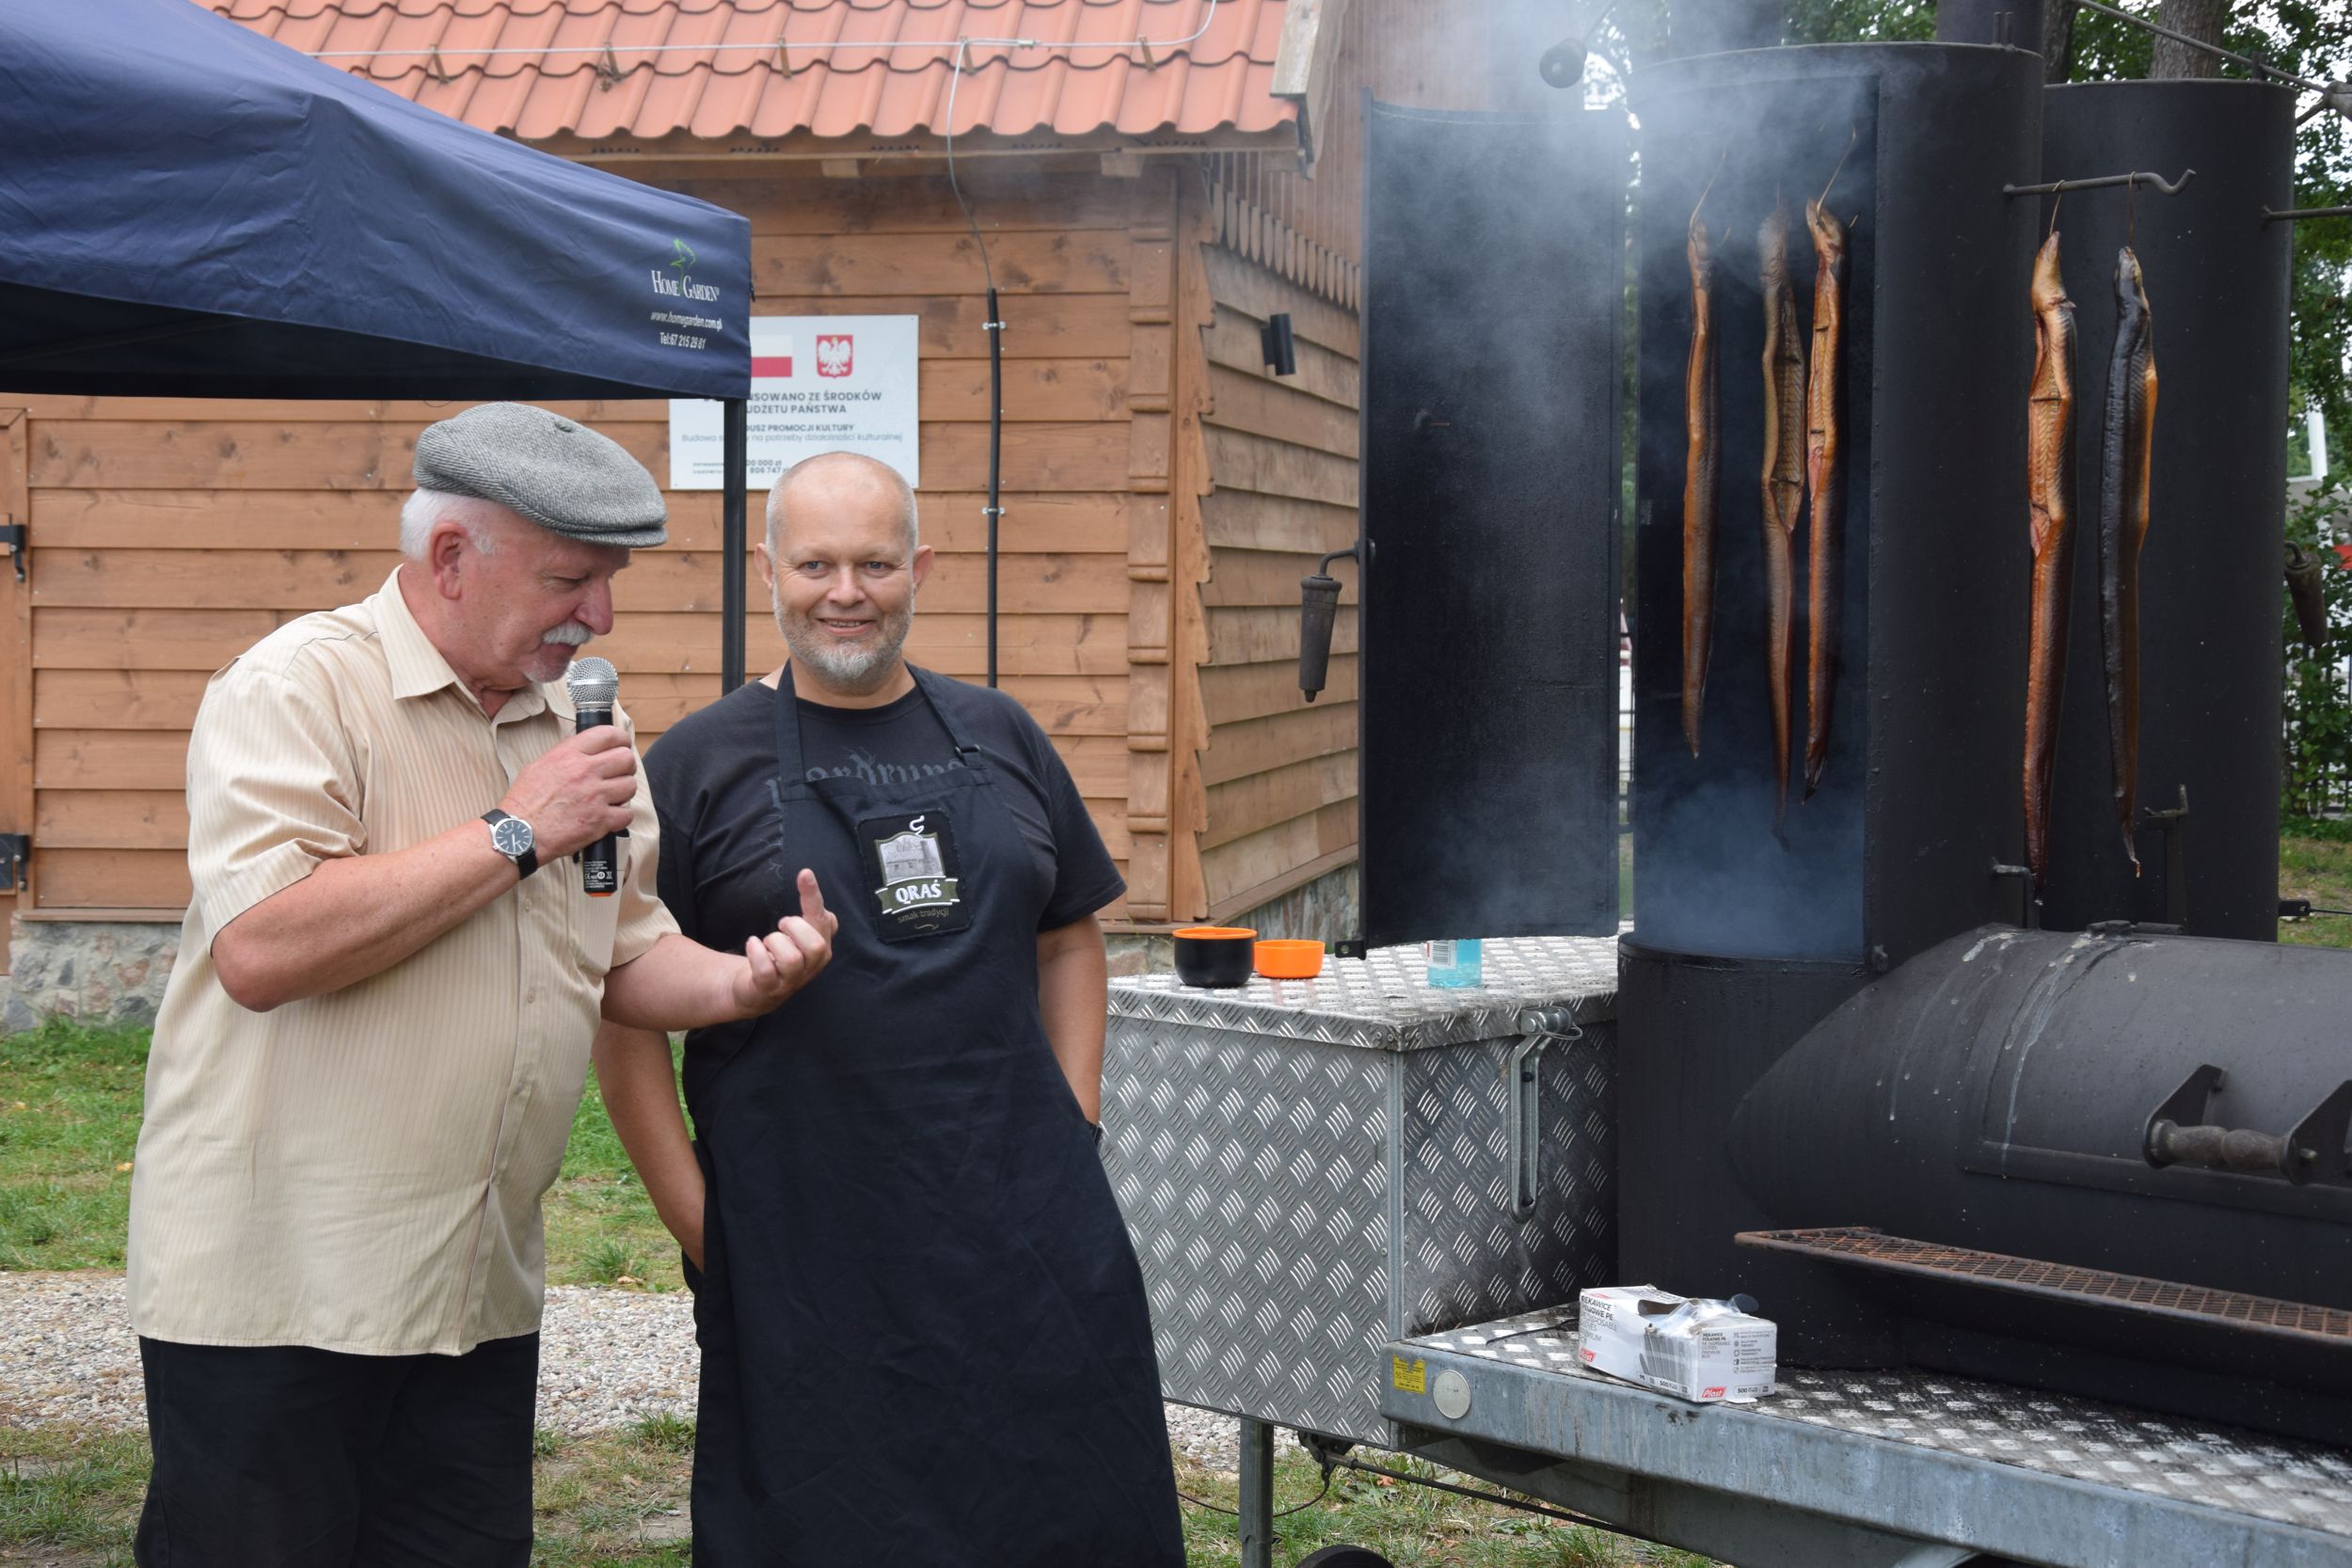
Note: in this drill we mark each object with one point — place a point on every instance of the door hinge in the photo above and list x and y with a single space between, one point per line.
15 849
12 534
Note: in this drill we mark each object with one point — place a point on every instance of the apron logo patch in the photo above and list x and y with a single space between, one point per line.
918 891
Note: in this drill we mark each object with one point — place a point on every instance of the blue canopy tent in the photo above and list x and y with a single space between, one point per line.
189 209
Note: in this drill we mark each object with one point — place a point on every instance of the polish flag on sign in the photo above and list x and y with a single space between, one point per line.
774 366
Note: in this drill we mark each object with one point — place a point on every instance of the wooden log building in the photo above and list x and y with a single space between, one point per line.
1154 179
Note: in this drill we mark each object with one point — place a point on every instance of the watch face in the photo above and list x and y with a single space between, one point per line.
509 835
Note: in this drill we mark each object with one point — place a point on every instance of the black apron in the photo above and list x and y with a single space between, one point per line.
925 1337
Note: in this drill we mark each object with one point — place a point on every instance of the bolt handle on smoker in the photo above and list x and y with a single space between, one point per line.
1318 606
2178 1135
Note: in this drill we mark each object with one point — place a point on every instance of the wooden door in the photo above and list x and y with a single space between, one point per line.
16 668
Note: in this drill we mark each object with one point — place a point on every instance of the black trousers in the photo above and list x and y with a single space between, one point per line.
282 1456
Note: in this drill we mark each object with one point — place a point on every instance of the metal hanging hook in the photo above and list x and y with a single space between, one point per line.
2059 187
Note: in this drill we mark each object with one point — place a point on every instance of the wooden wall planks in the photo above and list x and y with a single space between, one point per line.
1279 772
172 534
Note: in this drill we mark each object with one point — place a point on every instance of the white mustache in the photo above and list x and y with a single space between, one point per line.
571 634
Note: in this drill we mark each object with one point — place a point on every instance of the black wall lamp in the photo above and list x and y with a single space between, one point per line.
1274 339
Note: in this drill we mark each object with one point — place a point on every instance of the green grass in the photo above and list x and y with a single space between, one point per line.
69 1124
2319 870
1413 1527
601 1228
618 1500
70 1096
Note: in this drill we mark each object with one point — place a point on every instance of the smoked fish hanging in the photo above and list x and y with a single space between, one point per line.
1784 480
2050 469
1824 482
1701 479
2126 455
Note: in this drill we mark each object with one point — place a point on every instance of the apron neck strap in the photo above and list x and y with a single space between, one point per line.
789 763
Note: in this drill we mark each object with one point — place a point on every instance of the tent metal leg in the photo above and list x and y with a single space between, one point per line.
1256 1503
733 543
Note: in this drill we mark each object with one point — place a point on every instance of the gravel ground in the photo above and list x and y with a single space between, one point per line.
607 1358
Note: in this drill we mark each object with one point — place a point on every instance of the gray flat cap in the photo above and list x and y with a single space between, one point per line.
553 471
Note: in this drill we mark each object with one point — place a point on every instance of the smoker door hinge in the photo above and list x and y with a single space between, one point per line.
12 534
15 849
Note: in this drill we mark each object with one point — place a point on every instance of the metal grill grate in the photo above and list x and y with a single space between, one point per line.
1867 1248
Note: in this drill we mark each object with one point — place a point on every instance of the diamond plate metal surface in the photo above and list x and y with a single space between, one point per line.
2279 1479
1383 1002
1304 1186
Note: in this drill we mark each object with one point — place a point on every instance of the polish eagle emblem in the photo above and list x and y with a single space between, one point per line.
833 353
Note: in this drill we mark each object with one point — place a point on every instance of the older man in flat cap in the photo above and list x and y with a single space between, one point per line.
371 1048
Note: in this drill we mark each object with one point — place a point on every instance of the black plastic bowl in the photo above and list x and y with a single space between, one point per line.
1215 956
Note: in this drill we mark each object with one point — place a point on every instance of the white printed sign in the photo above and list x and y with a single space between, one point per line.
818 384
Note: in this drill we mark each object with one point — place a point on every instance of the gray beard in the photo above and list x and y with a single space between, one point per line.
848 670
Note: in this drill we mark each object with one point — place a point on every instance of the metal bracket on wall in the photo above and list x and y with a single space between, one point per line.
12 534
15 849
2173 824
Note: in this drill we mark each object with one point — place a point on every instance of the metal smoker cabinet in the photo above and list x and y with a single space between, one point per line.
1313 1169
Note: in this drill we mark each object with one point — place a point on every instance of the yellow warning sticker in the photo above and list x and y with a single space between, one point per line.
1411 1377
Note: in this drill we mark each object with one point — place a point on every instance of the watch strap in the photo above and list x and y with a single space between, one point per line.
526 862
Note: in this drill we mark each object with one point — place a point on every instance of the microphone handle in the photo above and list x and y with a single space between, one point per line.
601 862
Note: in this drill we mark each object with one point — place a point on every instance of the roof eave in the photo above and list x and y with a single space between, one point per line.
800 146
1305 64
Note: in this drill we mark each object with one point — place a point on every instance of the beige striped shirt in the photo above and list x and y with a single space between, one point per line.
361 1171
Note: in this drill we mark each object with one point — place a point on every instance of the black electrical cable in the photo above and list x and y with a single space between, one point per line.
995 326
1220 1508
1344 1463
995 453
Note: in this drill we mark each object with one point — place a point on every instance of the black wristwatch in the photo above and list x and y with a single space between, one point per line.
509 835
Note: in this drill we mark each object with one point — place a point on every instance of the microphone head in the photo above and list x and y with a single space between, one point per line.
592 682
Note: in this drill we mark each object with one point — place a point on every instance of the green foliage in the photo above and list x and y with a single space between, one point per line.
1861 21
2311 38
2315 755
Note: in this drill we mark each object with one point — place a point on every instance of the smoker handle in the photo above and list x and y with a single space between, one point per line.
2312 1149
1523 1103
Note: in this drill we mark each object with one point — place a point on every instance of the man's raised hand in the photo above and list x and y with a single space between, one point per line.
788 957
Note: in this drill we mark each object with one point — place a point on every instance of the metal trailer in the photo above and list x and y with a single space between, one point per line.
1364 1208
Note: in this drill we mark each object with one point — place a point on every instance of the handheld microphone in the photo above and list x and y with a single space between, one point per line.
594 684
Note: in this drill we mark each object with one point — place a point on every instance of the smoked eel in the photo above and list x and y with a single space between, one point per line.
2050 492
1824 485
1701 473
1784 479
2125 454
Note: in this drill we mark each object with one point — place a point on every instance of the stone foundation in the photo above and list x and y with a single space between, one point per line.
115 969
96 969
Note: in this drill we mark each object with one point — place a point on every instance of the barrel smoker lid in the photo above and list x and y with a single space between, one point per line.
1384 1002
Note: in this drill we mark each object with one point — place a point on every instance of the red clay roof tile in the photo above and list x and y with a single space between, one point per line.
640 70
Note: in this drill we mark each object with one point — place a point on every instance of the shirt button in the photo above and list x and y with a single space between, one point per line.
531 996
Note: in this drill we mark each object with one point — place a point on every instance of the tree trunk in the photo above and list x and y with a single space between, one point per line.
2202 19
2058 40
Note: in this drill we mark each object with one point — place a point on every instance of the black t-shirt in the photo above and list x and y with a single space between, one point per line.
712 777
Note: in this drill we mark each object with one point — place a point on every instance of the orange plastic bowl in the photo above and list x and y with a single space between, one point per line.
1214 955
1287 959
